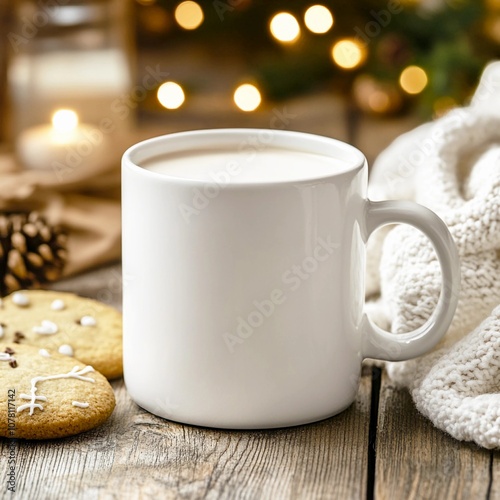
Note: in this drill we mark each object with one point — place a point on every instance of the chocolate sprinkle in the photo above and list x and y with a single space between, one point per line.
8 350
17 337
13 363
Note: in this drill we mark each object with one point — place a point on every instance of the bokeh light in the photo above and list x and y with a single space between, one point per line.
376 96
379 101
189 15
285 27
492 27
318 19
64 120
349 53
247 97
170 95
413 80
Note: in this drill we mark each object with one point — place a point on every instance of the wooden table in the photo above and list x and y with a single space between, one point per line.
380 447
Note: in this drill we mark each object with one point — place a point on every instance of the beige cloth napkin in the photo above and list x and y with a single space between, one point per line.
84 200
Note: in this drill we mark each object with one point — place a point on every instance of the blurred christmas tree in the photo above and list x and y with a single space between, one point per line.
388 55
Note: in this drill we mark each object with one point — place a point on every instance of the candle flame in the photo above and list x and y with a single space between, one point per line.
64 120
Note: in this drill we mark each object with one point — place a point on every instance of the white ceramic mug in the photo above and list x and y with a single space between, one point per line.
244 261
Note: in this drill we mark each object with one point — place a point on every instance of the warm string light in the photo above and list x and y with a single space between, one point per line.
284 27
170 95
349 53
318 19
189 15
247 97
413 80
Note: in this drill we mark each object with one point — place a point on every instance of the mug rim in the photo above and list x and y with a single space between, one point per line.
287 140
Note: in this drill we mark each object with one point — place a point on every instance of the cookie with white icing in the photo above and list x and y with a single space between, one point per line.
78 327
49 396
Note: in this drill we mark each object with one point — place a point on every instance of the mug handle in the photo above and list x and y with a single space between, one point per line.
380 344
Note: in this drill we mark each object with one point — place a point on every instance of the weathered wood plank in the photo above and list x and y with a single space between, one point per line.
414 460
494 492
138 455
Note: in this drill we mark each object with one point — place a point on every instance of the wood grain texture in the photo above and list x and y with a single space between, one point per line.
138 455
494 487
414 460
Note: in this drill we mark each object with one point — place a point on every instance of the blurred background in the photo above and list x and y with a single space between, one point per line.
82 80
209 63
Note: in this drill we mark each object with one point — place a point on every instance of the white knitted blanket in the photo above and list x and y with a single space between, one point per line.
451 166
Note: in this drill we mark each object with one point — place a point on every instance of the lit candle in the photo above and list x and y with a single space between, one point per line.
64 144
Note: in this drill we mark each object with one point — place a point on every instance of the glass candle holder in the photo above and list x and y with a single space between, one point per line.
68 55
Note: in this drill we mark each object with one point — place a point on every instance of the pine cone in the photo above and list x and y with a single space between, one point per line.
31 252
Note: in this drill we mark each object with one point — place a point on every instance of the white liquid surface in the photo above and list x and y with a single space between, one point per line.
267 165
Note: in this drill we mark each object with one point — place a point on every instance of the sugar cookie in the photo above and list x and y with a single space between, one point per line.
44 397
88 330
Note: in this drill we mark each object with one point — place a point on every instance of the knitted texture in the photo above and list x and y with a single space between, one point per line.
458 176
459 392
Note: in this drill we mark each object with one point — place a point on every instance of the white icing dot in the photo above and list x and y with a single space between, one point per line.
20 299
88 321
80 404
47 328
5 356
58 305
2 331
44 353
66 349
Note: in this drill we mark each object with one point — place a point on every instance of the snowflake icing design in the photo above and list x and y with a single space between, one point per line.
33 398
